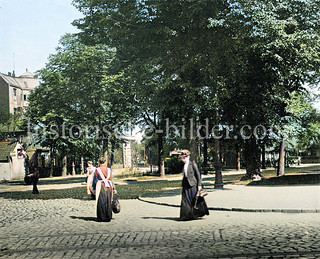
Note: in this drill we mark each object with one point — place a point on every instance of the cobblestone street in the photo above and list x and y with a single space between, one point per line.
68 228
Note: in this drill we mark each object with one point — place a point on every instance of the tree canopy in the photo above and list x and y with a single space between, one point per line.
81 100
226 62
233 61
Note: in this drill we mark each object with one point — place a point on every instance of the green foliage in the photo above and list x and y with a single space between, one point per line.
4 116
233 62
303 122
173 165
11 122
81 100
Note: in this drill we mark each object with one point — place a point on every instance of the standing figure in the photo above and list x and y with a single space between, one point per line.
102 187
90 173
32 174
193 204
299 160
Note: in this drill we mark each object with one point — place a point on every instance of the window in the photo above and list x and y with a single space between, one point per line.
14 94
24 97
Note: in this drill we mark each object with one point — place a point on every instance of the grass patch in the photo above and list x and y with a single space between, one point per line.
46 181
144 176
155 186
73 193
136 189
130 191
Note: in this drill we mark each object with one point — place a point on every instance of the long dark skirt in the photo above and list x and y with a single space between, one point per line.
32 178
104 210
192 207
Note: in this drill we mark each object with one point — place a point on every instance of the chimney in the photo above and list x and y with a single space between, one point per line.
9 73
13 73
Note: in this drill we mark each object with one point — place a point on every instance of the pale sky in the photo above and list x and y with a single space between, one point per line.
30 30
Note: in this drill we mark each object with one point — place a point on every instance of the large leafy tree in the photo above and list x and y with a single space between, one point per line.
233 61
81 101
303 129
274 50
155 42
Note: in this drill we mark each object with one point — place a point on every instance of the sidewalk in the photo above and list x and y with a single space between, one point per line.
286 199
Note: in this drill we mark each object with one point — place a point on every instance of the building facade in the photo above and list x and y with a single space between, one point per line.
12 162
127 151
14 91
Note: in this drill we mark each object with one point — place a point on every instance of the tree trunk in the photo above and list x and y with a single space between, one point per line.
162 170
193 149
218 184
160 155
82 166
51 163
238 161
282 154
150 159
205 156
263 156
112 152
64 166
105 144
73 167
252 157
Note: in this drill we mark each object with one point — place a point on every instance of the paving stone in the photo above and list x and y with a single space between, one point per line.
68 229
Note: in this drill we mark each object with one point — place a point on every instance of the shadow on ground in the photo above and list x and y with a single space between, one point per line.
166 218
85 218
288 180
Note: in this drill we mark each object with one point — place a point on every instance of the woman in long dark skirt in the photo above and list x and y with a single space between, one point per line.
32 172
103 190
192 204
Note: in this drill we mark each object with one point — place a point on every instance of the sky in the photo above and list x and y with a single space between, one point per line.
30 30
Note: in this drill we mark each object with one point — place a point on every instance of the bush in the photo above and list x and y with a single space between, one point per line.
173 165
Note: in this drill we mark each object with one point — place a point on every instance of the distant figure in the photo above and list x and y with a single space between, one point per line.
32 174
268 162
257 176
26 162
299 160
90 174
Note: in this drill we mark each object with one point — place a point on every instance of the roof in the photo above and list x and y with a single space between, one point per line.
26 81
5 149
9 80
27 74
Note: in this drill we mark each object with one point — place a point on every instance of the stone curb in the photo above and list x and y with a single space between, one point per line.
240 209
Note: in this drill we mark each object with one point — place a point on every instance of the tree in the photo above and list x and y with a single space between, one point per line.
277 52
160 53
303 128
81 102
233 61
